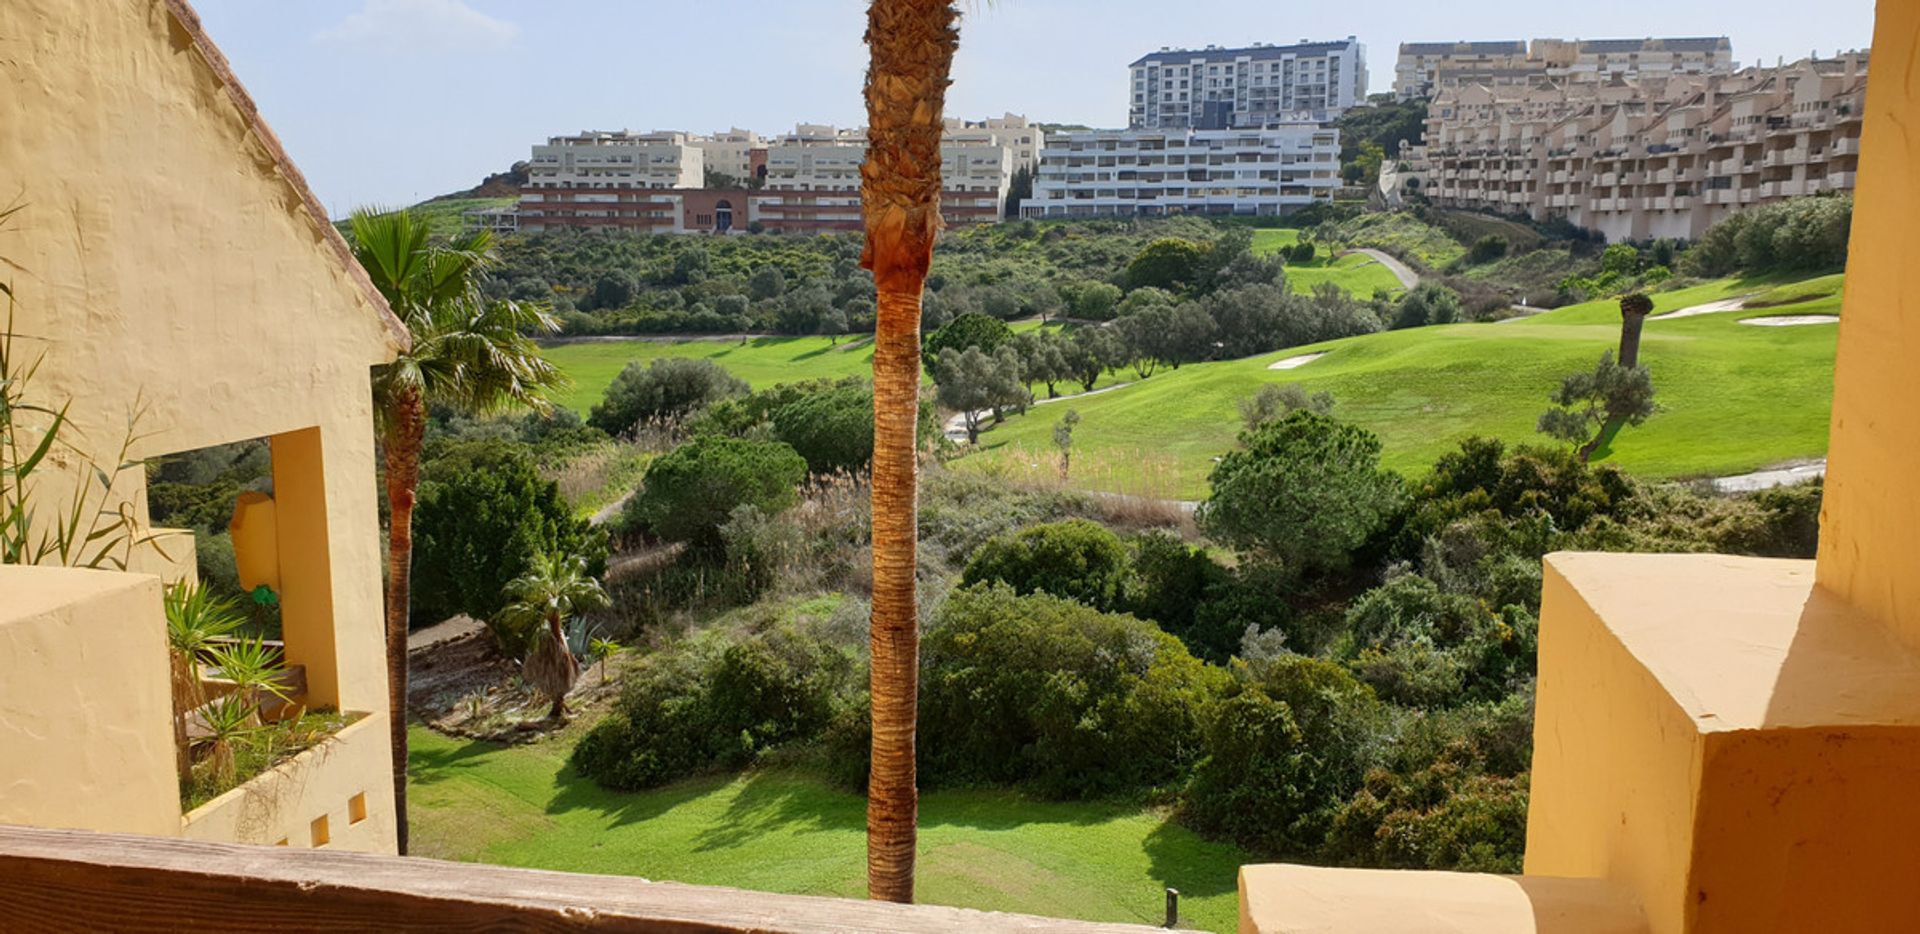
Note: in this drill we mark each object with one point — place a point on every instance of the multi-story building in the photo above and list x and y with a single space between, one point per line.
1022 139
1264 172
1652 157
813 180
808 181
730 153
1416 72
1217 88
1423 69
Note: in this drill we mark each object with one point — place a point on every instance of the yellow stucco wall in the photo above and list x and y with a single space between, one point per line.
168 258
85 737
285 803
1870 525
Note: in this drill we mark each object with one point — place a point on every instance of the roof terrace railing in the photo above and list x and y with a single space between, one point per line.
71 880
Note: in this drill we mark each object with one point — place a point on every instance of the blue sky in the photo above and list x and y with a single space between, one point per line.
392 101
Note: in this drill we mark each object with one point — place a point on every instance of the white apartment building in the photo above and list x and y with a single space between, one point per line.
813 180
1218 88
730 152
1652 157
1424 69
1264 171
1416 72
622 159
1022 139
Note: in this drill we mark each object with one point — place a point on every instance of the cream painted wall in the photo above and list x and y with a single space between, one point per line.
168 259
85 735
1870 525
286 803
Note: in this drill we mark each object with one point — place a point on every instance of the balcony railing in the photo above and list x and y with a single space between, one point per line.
69 880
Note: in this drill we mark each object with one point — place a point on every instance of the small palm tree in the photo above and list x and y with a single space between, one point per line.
196 620
554 588
467 352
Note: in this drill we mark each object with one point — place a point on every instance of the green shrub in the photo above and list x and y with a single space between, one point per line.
666 388
1287 746
708 704
692 491
1038 689
483 512
972 329
1075 559
1305 490
1171 582
1169 263
1420 646
832 430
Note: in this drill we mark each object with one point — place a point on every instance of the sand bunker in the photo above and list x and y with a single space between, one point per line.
1783 321
1292 363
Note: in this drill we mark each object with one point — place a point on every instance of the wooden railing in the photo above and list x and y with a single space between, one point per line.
67 880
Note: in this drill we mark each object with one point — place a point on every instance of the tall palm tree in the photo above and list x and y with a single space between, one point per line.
912 44
469 353
554 588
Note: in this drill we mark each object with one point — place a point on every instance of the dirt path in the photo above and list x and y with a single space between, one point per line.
1409 279
1768 479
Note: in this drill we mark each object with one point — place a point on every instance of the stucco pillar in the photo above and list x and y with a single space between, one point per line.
1870 526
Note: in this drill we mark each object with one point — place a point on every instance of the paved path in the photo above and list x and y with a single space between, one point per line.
606 513
1409 279
1768 479
956 428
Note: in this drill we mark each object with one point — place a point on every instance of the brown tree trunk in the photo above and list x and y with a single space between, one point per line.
1633 316
406 423
912 43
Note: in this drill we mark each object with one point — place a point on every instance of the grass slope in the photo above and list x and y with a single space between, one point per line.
786 831
1357 274
761 361
1735 397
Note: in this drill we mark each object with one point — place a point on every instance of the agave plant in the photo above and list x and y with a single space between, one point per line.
196 620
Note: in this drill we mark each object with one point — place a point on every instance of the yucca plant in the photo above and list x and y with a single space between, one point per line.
196 618
254 670
230 720
600 650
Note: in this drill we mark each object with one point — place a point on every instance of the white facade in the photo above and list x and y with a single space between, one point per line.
730 152
1653 157
1216 88
1424 69
1263 172
1020 137
620 159
813 179
1416 72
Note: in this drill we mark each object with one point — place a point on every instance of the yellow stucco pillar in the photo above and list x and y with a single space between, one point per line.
1870 526
306 569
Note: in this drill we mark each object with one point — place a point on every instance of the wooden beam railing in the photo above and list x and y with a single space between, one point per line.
70 880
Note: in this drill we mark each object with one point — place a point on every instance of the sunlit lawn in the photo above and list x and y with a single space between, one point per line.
1734 397
786 831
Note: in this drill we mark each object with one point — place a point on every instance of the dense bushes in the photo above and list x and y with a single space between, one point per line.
690 492
1304 491
1075 559
715 705
1794 235
832 429
1044 690
483 513
666 388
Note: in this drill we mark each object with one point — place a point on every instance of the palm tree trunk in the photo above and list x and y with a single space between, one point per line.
912 43
406 423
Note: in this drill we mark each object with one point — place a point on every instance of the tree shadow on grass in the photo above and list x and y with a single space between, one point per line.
783 801
1181 859
576 792
430 766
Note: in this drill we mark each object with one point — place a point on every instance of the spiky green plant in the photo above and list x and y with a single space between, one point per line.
600 650
554 589
196 619
230 720
254 670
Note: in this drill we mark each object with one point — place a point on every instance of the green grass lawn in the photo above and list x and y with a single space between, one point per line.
785 831
1735 397
1357 274
761 361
